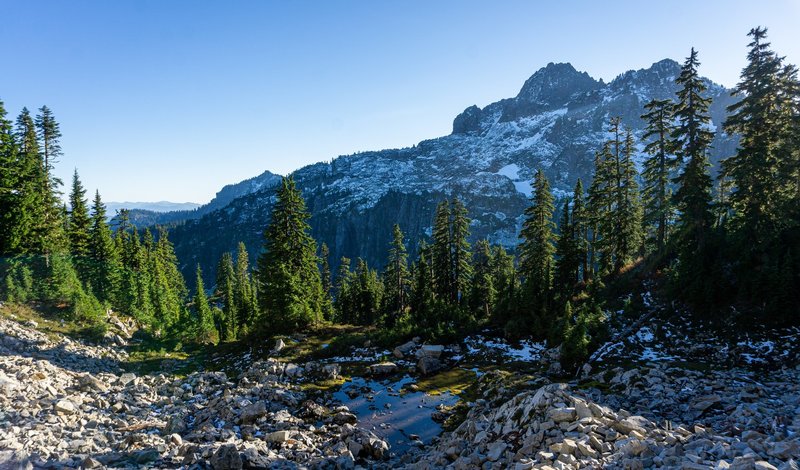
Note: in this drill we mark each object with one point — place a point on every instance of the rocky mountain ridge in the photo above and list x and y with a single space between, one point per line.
556 123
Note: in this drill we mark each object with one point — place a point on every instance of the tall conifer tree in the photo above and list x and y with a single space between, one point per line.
288 275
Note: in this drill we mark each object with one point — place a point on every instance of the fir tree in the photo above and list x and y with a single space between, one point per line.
422 294
396 278
460 251
227 323
78 226
536 253
205 320
103 260
505 283
658 167
288 275
24 219
244 291
691 139
9 185
763 120
442 261
52 227
483 292
343 304
325 274
567 256
581 228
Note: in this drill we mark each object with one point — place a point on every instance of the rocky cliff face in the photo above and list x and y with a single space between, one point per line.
556 122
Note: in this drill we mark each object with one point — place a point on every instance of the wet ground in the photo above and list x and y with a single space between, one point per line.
400 416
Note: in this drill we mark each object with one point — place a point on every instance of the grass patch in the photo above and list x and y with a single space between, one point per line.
50 320
454 381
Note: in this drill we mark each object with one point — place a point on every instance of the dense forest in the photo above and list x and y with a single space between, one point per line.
724 245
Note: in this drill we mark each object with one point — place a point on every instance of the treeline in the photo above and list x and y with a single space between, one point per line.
729 240
733 239
67 255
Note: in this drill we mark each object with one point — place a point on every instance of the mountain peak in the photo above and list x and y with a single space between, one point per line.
554 83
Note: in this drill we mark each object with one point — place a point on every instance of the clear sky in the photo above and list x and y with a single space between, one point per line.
171 100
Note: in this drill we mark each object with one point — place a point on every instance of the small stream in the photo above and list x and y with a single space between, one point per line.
392 413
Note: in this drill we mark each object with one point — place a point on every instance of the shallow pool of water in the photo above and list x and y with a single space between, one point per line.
392 413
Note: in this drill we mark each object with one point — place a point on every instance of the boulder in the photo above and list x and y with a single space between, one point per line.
278 436
65 407
400 351
279 345
430 350
226 458
560 415
428 365
252 412
383 368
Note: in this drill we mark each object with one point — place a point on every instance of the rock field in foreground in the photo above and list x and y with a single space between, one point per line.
68 404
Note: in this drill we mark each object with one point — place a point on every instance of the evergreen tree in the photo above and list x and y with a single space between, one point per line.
659 211
368 294
345 310
103 267
460 251
691 139
761 124
422 294
325 273
78 226
244 291
567 256
396 278
227 323
51 230
483 292
581 229
442 261
600 205
9 185
288 275
206 332
505 283
536 253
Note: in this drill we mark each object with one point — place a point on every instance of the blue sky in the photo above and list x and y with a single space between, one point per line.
171 100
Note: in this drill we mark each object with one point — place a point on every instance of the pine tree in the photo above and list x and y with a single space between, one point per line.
288 275
244 292
600 205
78 227
483 292
629 220
9 185
505 283
368 293
536 253
227 324
51 230
422 294
396 278
659 211
206 332
567 256
761 125
325 273
343 304
581 228
691 139
442 261
460 251
104 267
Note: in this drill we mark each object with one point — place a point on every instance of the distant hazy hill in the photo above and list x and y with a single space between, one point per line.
160 206
142 216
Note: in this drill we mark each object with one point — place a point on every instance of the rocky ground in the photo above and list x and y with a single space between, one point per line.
66 403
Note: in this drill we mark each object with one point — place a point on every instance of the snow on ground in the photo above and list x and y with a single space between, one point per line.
526 350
